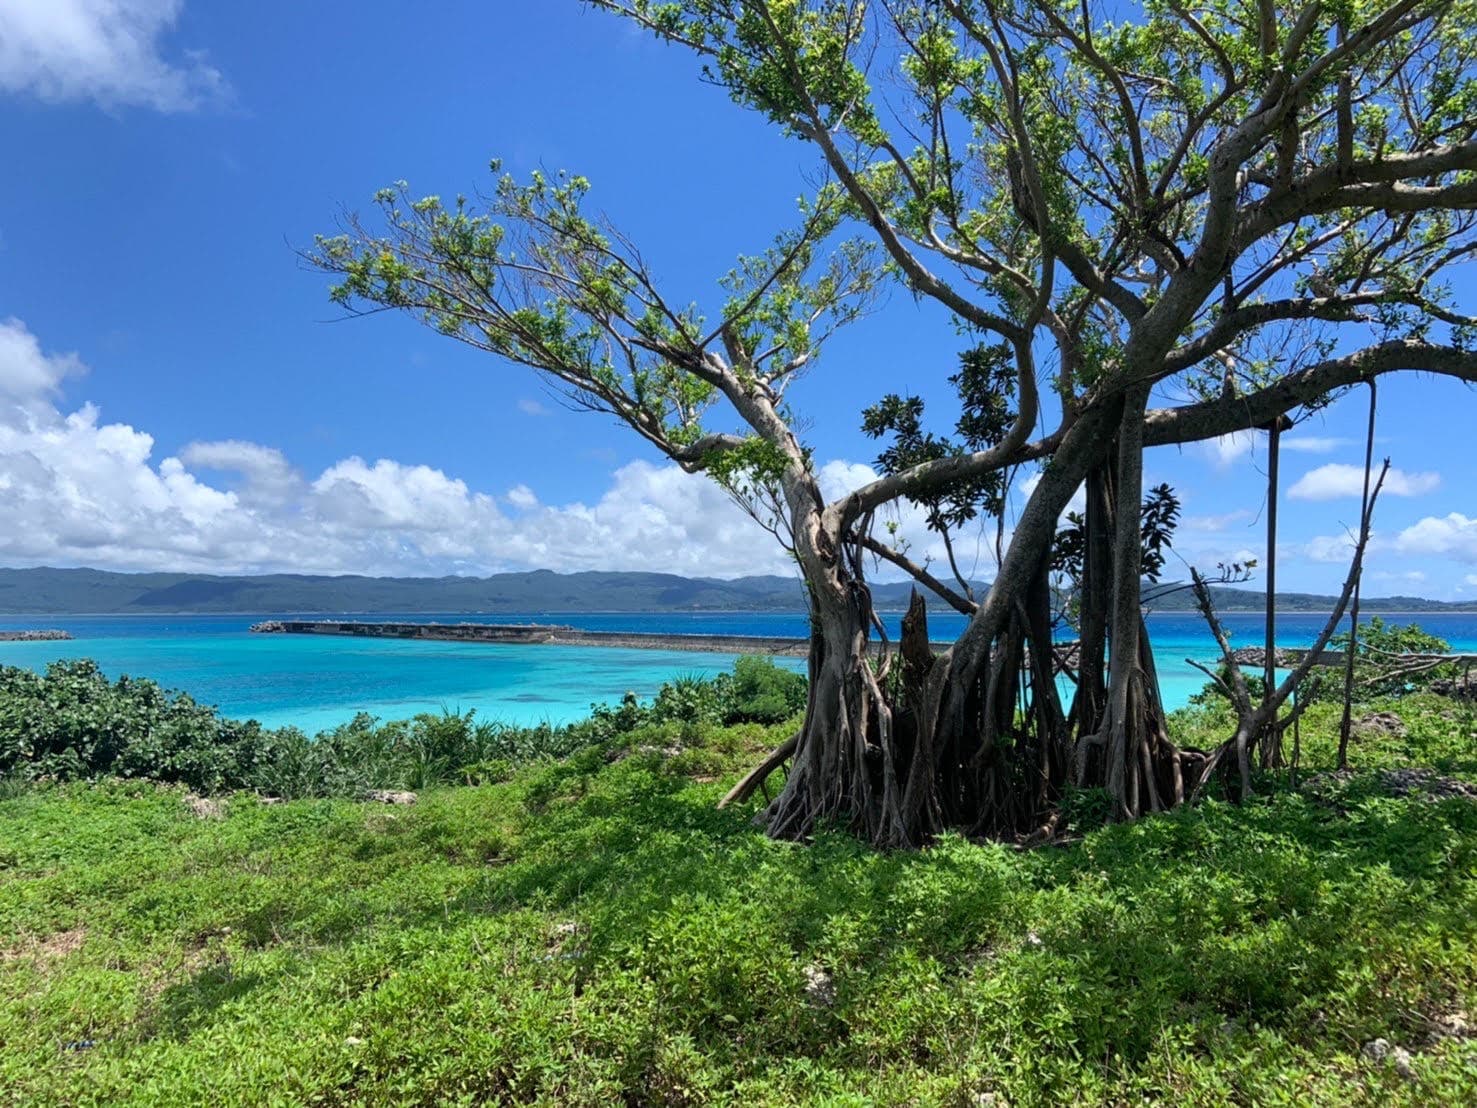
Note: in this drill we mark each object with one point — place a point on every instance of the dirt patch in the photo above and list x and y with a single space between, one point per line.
1443 1024
45 950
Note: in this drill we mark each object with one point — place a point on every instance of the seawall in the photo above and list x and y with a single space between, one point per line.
539 634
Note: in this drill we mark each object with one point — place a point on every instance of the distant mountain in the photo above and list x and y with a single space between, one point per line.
87 591
61 591
1174 597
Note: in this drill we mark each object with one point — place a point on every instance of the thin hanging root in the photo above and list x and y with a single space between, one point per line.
1147 764
892 827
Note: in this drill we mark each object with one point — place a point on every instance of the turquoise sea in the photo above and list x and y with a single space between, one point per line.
315 683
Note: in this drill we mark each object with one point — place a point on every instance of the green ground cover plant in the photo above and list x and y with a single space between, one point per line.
589 929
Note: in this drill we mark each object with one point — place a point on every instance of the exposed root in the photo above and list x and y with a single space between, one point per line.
752 781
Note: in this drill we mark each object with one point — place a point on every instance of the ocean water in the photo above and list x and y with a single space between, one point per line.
318 682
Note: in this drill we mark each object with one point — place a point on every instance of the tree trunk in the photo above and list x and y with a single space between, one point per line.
1271 738
1129 753
849 766
977 739
1095 595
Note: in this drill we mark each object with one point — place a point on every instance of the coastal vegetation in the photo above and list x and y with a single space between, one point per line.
591 928
72 724
1237 212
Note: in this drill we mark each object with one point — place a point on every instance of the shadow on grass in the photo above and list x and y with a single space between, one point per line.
185 1007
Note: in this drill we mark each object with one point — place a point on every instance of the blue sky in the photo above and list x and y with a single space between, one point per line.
176 393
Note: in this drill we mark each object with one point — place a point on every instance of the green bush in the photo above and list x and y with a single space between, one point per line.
595 932
757 691
763 692
72 723
691 699
1377 672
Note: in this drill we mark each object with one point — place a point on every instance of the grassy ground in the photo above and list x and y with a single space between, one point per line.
593 931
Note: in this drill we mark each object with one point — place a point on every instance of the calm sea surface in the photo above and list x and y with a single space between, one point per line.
317 683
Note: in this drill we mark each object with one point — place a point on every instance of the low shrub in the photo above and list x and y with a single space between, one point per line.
757 691
72 723
1378 668
762 692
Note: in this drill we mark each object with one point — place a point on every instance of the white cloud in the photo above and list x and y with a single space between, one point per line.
529 406
1311 444
1471 578
27 375
1329 549
1453 536
266 476
1214 524
108 51
1336 479
77 490
521 496
905 527
1227 450
837 478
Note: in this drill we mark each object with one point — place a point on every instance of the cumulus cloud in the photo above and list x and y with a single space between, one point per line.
109 51
1452 536
28 376
523 497
1328 549
266 477
75 489
1336 479
1228 450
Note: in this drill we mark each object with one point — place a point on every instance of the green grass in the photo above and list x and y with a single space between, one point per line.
593 931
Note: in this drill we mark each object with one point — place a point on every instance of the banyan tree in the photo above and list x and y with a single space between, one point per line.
1158 224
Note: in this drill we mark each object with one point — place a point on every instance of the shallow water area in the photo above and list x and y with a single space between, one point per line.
318 682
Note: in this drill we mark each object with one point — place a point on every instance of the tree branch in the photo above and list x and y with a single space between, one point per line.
1213 418
913 569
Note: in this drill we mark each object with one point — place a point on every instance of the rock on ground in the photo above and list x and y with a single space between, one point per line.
1380 723
1381 1050
820 986
390 796
205 807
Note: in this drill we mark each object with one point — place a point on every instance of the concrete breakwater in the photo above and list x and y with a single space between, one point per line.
35 636
1286 656
538 634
